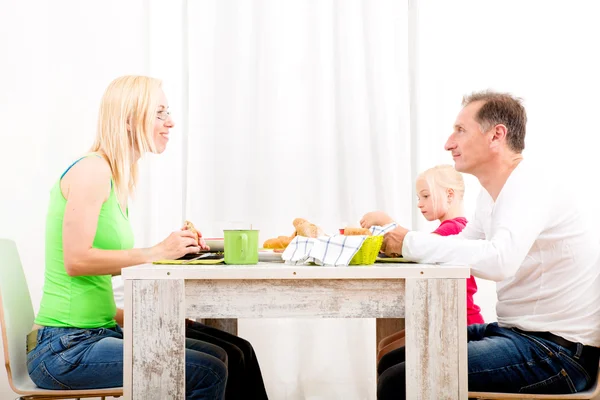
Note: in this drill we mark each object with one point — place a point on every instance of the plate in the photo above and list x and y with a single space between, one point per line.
268 255
215 244
206 255
385 259
193 262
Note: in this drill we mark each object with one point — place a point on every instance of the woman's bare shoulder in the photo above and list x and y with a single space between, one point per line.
90 173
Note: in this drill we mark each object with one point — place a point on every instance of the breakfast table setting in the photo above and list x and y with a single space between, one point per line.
306 275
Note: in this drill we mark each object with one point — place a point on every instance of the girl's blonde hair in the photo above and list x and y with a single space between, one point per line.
126 126
444 177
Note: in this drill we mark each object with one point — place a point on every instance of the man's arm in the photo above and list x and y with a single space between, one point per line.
514 227
472 231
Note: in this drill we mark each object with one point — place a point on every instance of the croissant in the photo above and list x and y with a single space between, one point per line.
280 242
305 228
357 231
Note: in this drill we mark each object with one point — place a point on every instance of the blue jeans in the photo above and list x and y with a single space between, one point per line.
509 361
74 358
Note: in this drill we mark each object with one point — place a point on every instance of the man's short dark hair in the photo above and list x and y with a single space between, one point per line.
501 108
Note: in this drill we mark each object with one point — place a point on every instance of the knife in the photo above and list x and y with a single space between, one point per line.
197 258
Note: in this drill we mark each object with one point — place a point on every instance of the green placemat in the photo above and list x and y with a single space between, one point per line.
194 262
393 260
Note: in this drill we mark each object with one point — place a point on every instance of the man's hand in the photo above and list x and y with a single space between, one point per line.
392 242
377 218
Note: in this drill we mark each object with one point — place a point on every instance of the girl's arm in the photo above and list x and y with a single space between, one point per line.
86 187
378 218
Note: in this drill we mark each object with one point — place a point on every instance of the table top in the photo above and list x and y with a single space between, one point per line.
285 271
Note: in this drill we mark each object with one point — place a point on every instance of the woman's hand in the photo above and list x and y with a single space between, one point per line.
176 245
201 242
375 218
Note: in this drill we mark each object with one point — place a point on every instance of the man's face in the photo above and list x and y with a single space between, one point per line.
470 147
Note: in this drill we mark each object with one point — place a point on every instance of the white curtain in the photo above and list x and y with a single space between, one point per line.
542 52
308 109
284 109
300 109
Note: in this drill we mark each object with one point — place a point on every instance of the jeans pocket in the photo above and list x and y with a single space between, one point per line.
581 378
558 384
39 351
547 350
43 379
72 339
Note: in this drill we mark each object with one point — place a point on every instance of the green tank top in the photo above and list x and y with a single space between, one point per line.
81 301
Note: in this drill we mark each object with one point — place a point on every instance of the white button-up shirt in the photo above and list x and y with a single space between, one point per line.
538 246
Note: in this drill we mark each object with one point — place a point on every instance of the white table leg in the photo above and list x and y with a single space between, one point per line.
436 344
155 340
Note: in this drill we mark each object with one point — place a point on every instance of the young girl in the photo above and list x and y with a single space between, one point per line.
440 191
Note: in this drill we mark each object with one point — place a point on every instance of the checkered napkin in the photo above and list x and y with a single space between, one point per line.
334 251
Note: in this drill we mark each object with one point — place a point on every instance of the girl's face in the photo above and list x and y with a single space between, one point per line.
432 204
162 124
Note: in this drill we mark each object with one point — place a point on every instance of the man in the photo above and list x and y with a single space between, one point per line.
529 237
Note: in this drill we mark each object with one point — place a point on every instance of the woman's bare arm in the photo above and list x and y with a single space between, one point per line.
86 187
119 317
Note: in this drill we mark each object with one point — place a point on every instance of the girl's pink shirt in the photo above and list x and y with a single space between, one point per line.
453 227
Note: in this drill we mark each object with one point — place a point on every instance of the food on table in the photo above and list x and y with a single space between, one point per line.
305 228
302 228
190 227
357 231
279 242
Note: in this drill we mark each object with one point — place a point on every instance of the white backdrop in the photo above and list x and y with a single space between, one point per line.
300 109
286 109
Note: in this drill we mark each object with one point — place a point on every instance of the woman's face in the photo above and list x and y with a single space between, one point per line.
433 205
162 123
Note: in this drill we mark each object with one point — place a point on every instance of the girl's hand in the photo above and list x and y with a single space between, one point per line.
176 245
377 218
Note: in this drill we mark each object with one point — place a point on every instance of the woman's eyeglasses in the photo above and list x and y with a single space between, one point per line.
163 115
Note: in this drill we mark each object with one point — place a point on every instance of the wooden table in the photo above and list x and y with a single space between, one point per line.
432 299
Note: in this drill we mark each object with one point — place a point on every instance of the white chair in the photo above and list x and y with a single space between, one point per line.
590 394
16 318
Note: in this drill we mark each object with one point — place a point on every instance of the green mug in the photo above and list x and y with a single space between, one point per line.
241 246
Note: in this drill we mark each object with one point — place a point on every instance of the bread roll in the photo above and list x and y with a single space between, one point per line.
357 232
280 242
190 227
305 228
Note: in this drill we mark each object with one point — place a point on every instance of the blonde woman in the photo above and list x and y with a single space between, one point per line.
440 191
75 342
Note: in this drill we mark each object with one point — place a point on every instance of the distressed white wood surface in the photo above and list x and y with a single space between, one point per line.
283 271
337 298
158 338
428 296
434 331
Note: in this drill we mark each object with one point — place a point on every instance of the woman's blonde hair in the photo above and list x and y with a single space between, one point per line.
126 126
444 177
